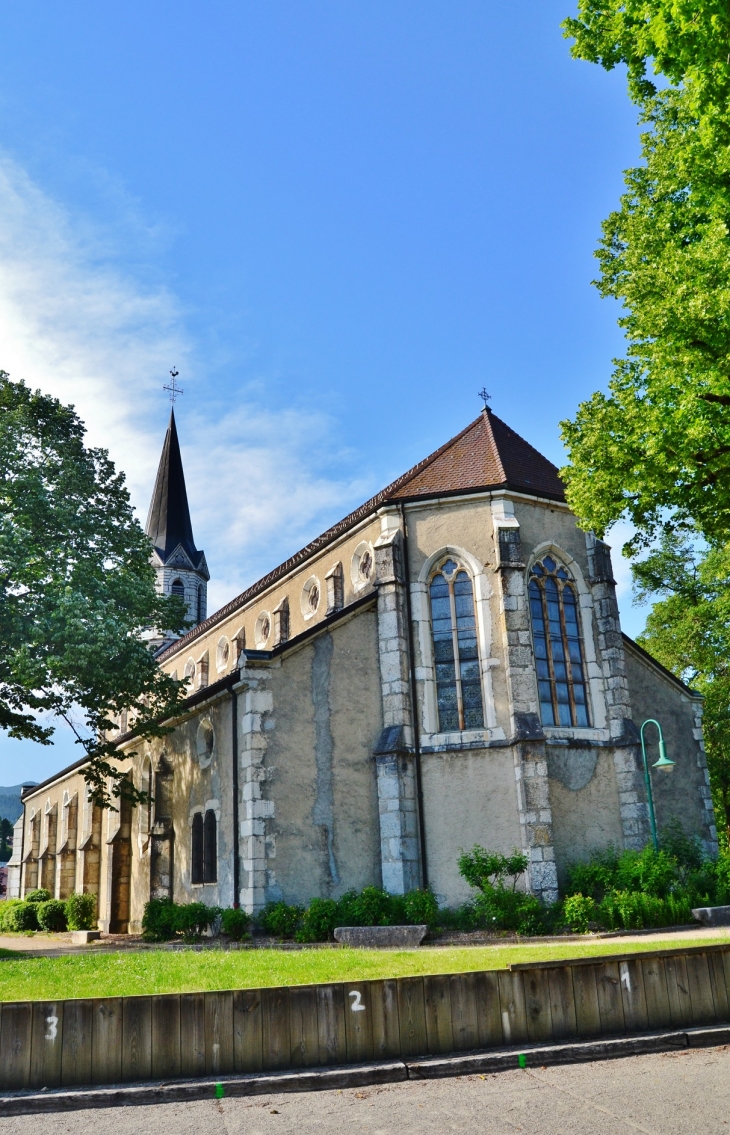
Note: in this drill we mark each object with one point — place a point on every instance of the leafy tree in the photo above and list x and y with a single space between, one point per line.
688 631
656 448
77 591
6 835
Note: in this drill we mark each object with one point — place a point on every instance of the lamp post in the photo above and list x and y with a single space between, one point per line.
663 764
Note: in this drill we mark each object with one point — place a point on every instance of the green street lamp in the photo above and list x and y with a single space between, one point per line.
663 765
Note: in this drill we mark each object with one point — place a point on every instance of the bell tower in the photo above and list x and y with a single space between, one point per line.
180 567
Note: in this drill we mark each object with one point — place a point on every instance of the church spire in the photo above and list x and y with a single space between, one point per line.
180 566
168 522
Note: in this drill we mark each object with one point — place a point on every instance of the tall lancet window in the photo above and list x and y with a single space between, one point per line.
456 654
558 650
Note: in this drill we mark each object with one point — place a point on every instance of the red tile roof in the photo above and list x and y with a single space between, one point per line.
485 455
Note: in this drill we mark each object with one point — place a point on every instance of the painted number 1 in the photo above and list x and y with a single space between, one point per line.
357 1005
52 1023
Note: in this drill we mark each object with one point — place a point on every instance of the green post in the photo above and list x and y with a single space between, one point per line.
663 764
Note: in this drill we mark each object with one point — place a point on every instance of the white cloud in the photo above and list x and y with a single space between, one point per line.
78 324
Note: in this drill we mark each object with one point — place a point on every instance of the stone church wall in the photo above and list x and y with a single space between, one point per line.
468 797
684 793
319 763
584 803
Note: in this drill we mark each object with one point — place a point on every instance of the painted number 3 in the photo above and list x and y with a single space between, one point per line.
52 1023
357 1005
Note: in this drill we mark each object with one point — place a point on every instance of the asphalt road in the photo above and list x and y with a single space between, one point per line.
676 1093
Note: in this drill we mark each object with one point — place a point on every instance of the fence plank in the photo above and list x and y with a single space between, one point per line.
719 988
166 1036
106 1048
15 1045
725 955
636 1017
412 1016
437 1004
655 990
219 1058
276 1040
512 1005
562 1003
331 1024
464 1016
610 1005
46 1044
136 1038
192 1034
386 1025
489 1013
700 990
537 1005
77 1041
247 1031
680 1005
358 1021
585 994
303 1026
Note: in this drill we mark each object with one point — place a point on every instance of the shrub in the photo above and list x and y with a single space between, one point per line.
52 915
631 910
419 907
81 911
235 923
488 870
280 920
22 916
578 910
318 921
158 920
371 907
6 909
40 894
192 919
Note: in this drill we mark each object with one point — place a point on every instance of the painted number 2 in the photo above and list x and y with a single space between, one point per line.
357 1005
52 1023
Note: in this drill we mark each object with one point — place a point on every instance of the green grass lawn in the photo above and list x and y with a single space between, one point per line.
29 978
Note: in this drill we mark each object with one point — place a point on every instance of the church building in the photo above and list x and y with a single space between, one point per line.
443 667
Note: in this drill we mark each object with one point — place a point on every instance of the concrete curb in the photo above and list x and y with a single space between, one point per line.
360 1075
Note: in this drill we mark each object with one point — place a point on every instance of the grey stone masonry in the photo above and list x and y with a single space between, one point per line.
710 829
627 756
257 843
394 753
531 772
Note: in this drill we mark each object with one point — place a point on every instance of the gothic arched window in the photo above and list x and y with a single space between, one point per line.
558 650
201 603
178 588
453 625
196 864
210 848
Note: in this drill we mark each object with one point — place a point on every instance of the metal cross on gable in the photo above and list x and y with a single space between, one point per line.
172 387
484 396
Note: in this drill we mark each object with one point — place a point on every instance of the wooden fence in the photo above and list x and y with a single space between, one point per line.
109 1040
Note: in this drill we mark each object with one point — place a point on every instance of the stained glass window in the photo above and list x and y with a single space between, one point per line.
558 650
456 655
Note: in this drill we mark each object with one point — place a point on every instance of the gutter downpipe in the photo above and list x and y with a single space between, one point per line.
414 700
236 833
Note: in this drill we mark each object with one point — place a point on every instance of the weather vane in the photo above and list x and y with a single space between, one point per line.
484 396
175 390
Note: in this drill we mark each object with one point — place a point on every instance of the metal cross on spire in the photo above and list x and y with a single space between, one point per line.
484 396
172 387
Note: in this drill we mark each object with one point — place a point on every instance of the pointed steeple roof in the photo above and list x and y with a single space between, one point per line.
168 523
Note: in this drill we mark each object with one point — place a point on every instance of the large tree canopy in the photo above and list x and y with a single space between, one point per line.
77 591
656 448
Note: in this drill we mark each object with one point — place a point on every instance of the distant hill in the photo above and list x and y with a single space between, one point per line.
10 806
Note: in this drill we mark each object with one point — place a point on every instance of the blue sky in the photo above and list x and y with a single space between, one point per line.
339 219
